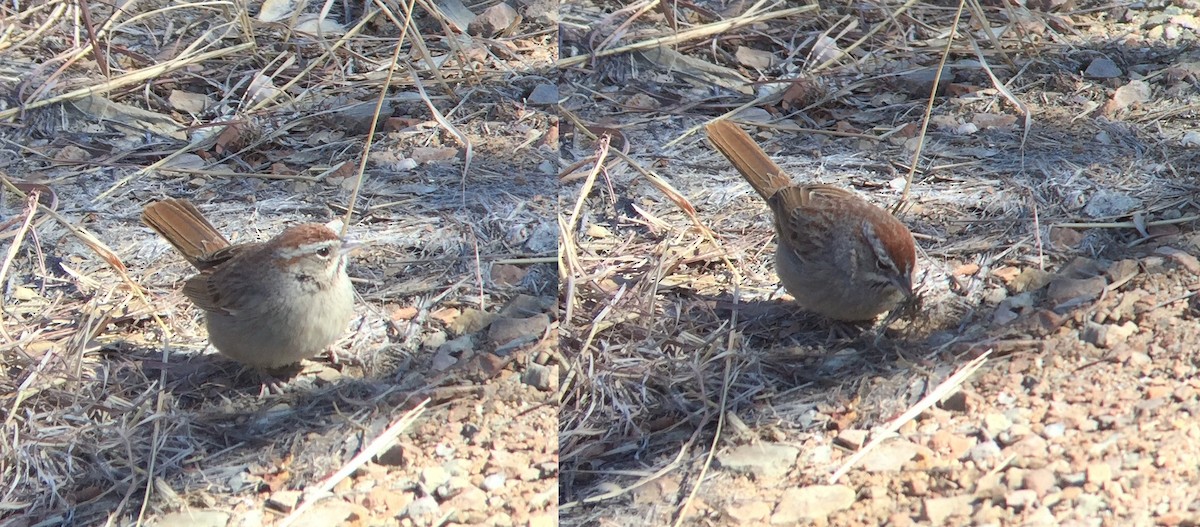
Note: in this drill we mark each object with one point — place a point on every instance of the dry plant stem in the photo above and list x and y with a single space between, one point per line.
589 182
1037 231
568 270
726 384
85 12
441 119
418 41
133 77
283 89
317 62
366 151
696 33
1126 224
619 492
114 262
244 22
937 79
870 33
23 390
384 440
1008 94
621 29
31 202
51 21
880 434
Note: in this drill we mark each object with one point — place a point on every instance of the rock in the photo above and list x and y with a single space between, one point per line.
750 512
938 510
1099 473
469 499
918 83
493 20
332 512
541 377
955 402
1041 481
1122 270
433 477
543 95
994 424
1183 259
1030 279
852 439
493 482
1108 203
392 457
1089 505
890 456
983 452
900 519
423 507
1075 290
1042 517
1107 335
284 500
505 331
1020 499
811 503
771 460
990 487
194 518
1102 68
1054 430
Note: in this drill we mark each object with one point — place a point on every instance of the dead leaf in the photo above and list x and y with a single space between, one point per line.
446 315
754 58
276 10
319 26
508 275
189 102
399 313
427 154
139 121
71 154
991 120
1135 92
1006 273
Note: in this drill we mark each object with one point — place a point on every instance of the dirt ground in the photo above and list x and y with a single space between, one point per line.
440 408
1057 255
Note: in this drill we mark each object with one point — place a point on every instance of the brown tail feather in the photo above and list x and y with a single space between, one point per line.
181 224
747 157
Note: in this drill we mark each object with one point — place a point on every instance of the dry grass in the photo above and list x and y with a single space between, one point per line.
109 413
674 332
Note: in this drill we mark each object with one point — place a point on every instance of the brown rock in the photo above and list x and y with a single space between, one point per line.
938 510
809 503
1040 481
1075 290
493 20
1099 472
752 511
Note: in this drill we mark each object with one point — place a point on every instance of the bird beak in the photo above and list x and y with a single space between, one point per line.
349 246
904 284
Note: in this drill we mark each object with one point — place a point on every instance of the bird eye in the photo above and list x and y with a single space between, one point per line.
324 252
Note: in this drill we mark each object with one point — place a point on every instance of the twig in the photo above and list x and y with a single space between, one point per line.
383 441
881 434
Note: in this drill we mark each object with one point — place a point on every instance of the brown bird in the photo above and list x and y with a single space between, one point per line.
838 255
266 304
